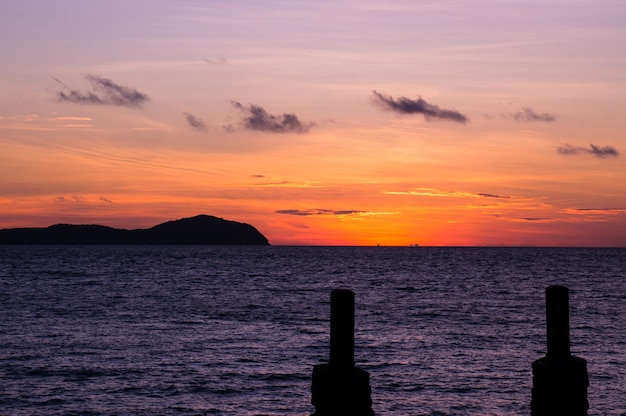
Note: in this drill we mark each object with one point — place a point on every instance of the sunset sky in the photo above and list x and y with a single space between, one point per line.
488 122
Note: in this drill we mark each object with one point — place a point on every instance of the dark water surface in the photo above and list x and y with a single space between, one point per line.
201 330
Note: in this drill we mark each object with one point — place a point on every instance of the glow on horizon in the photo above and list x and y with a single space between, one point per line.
320 123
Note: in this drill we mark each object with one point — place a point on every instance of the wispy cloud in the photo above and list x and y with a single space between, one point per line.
195 122
493 196
277 182
404 105
528 114
593 214
289 184
107 200
450 194
601 152
71 119
308 212
595 210
219 61
256 118
349 213
577 215
103 92
72 198
538 220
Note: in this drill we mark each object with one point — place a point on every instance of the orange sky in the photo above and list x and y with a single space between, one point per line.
335 123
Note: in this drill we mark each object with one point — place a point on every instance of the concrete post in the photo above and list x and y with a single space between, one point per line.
557 322
342 328
339 388
560 380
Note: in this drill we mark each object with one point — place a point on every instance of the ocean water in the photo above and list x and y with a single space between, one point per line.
205 330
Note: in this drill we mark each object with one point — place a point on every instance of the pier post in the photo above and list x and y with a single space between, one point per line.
342 328
560 380
339 388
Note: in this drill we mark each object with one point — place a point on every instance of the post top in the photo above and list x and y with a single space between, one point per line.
557 289
340 292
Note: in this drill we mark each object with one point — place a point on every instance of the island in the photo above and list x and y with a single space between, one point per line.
201 230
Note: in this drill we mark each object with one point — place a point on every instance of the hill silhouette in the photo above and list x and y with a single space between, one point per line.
201 229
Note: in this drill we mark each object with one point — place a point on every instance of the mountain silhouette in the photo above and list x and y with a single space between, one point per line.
201 229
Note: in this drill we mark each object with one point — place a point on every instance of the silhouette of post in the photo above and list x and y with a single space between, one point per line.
557 323
560 380
342 328
339 388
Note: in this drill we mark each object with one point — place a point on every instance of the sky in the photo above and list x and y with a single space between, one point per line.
343 122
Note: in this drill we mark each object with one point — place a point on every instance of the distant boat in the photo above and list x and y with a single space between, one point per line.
414 245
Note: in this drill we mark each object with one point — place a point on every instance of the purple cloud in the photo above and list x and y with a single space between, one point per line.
597 151
528 114
308 212
195 122
104 92
256 118
404 105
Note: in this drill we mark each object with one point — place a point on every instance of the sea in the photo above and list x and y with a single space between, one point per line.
236 330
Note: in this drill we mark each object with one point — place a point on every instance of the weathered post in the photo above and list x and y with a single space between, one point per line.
342 328
560 380
339 388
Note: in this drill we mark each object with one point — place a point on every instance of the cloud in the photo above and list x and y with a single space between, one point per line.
404 105
308 212
289 184
535 220
104 92
107 200
351 214
451 194
597 151
596 210
228 128
71 119
195 122
494 196
219 61
528 114
72 198
601 214
256 118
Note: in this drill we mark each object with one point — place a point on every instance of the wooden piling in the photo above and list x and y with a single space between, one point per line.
339 388
342 328
557 323
560 380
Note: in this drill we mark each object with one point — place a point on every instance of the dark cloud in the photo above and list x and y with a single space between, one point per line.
104 92
597 151
107 200
256 118
195 122
404 105
528 114
494 196
308 212
72 198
